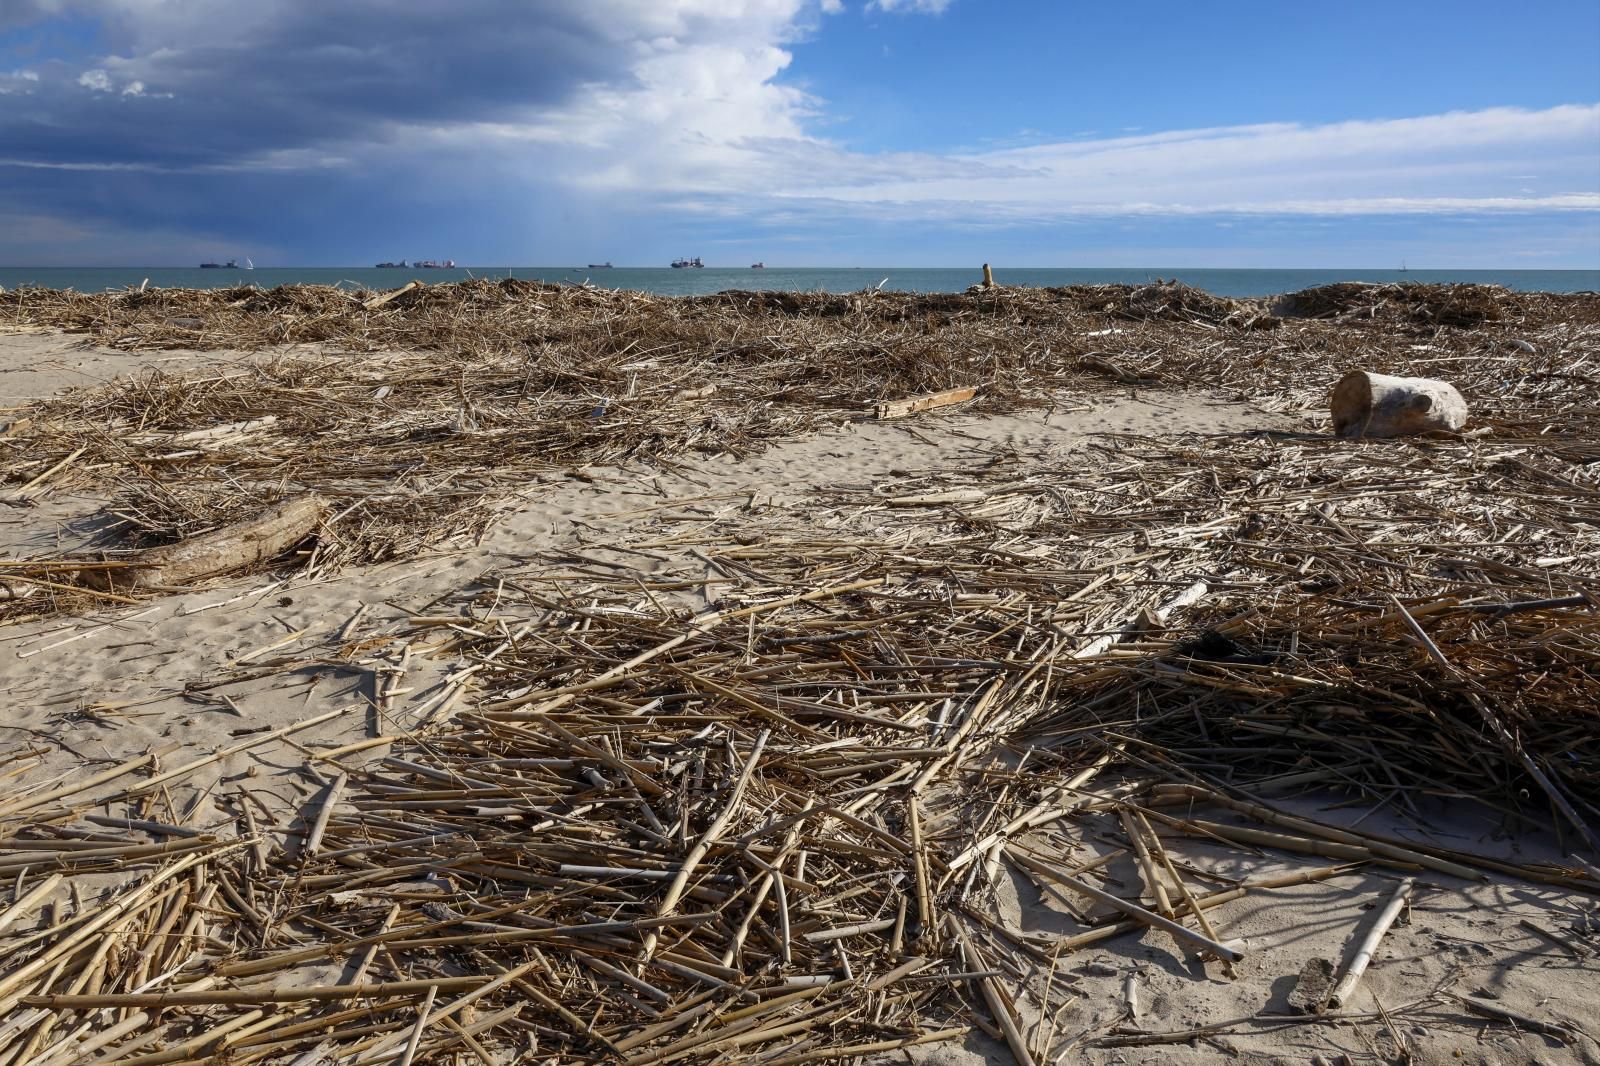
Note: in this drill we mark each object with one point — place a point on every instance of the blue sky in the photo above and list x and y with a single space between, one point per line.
801 132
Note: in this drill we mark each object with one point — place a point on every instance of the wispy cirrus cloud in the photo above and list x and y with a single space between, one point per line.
1496 160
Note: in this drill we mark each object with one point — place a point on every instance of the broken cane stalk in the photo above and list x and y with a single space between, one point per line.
1346 985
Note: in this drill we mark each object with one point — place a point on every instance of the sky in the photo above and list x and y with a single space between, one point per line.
1445 134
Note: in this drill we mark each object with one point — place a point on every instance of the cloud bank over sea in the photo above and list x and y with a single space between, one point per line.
133 130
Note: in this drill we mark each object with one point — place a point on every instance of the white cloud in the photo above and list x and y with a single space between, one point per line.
18 81
99 80
692 108
683 106
1448 162
698 108
739 151
703 123
110 168
925 7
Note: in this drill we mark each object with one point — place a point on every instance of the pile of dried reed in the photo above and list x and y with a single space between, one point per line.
1412 303
424 407
769 831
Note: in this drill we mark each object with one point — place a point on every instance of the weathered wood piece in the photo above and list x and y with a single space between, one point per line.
918 404
375 302
1365 404
1311 988
248 543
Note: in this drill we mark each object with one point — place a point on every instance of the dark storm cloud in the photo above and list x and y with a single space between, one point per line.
219 87
18 13
290 127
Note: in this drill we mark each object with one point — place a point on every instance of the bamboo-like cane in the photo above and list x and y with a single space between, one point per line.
124 905
1133 910
415 1038
1147 864
703 845
1345 987
991 994
36 895
319 825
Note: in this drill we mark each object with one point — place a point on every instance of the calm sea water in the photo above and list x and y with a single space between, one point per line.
831 279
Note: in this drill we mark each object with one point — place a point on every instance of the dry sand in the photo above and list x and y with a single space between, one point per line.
207 668
88 681
38 363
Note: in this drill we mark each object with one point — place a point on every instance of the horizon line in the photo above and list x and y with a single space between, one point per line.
835 266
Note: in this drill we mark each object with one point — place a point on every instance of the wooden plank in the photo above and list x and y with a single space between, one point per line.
918 404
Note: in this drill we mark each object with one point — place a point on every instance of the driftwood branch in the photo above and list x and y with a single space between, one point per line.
245 544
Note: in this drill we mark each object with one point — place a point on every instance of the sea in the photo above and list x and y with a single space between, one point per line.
693 281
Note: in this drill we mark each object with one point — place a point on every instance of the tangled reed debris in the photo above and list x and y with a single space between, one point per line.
415 418
1463 306
770 830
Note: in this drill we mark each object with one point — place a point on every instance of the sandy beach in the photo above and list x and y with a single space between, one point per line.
642 694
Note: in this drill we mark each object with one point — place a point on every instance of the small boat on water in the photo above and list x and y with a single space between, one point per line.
229 265
758 266
679 264
600 266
